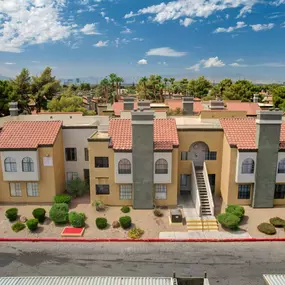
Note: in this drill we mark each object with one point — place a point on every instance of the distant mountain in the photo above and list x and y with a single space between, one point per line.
90 79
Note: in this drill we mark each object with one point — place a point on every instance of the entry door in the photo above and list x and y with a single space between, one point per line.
198 152
185 183
86 176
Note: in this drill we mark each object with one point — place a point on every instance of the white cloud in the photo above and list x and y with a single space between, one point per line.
35 61
126 31
195 67
31 22
101 44
89 29
130 21
162 63
9 63
186 22
137 39
239 60
227 16
262 27
207 63
142 62
239 25
236 64
165 51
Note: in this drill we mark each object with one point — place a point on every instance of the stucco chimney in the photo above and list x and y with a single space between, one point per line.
144 105
216 105
142 157
188 105
255 98
268 127
128 103
13 109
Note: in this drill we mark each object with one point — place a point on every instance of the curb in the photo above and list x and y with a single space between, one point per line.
139 240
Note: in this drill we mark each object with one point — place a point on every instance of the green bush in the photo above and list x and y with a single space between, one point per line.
32 224
267 229
62 198
228 220
18 227
39 214
157 213
125 209
12 214
135 233
77 220
277 222
235 210
125 222
101 223
100 207
77 188
59 213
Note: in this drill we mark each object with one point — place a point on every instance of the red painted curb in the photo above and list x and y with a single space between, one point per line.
139 240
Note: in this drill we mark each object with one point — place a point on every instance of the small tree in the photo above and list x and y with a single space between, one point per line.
77 187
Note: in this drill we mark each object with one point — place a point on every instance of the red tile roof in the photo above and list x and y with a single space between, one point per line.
165 134
241 132
176 103
249 107
27 134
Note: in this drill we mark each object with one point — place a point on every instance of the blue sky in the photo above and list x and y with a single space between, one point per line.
179 38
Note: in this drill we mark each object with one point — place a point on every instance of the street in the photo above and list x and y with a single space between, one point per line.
225 263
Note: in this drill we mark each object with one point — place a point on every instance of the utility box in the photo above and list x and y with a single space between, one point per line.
176 216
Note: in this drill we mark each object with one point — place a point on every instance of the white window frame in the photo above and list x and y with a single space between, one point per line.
161 166
281 166
160 192
15 189
32 189
71 176
10 164
124 166
247 166
126 192
28 164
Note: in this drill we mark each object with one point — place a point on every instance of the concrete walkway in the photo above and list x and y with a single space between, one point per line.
204 235
185 202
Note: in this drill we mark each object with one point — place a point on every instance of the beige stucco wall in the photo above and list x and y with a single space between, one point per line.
211 114
214 140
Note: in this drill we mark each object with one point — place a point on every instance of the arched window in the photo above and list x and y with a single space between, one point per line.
247 166
125 166
27 164
281 166
161 166
10 164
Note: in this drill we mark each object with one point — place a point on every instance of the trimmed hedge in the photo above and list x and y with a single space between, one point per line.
228 220
18 227
277 222
32 224
267 229
12 214
77 220
62 198
39 214
125 222
101 223
125 209
235 210
59 213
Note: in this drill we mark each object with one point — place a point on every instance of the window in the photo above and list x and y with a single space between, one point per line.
101 162
71 154
27 165
124 166
160 192
161 166
86 154
281 166
71 176
184 155
15 190
126 192
244 191
247 166
184 179
102 189
32 189
10 164
211 155
279 191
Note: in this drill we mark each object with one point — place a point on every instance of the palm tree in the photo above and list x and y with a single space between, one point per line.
171 80
112 78
105 84
143 81
153 82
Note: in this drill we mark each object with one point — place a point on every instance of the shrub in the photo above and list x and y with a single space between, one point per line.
18 227
62 198
125 209
39 214
59 213
228 220
125 222
235 210
77 220
32 224
77 188
100 207
277 222
101 223
135 233
157 213
12 214
266 228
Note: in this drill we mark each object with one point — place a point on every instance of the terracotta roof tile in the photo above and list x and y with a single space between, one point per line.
241 132
27 134
165 134
249 107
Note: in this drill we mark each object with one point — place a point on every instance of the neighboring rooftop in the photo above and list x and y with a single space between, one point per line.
185 122
274 279
177 103
28 135
165 134
241 132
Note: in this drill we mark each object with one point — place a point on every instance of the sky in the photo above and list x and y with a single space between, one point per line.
133 38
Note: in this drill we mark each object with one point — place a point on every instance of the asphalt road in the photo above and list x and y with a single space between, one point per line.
225 263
